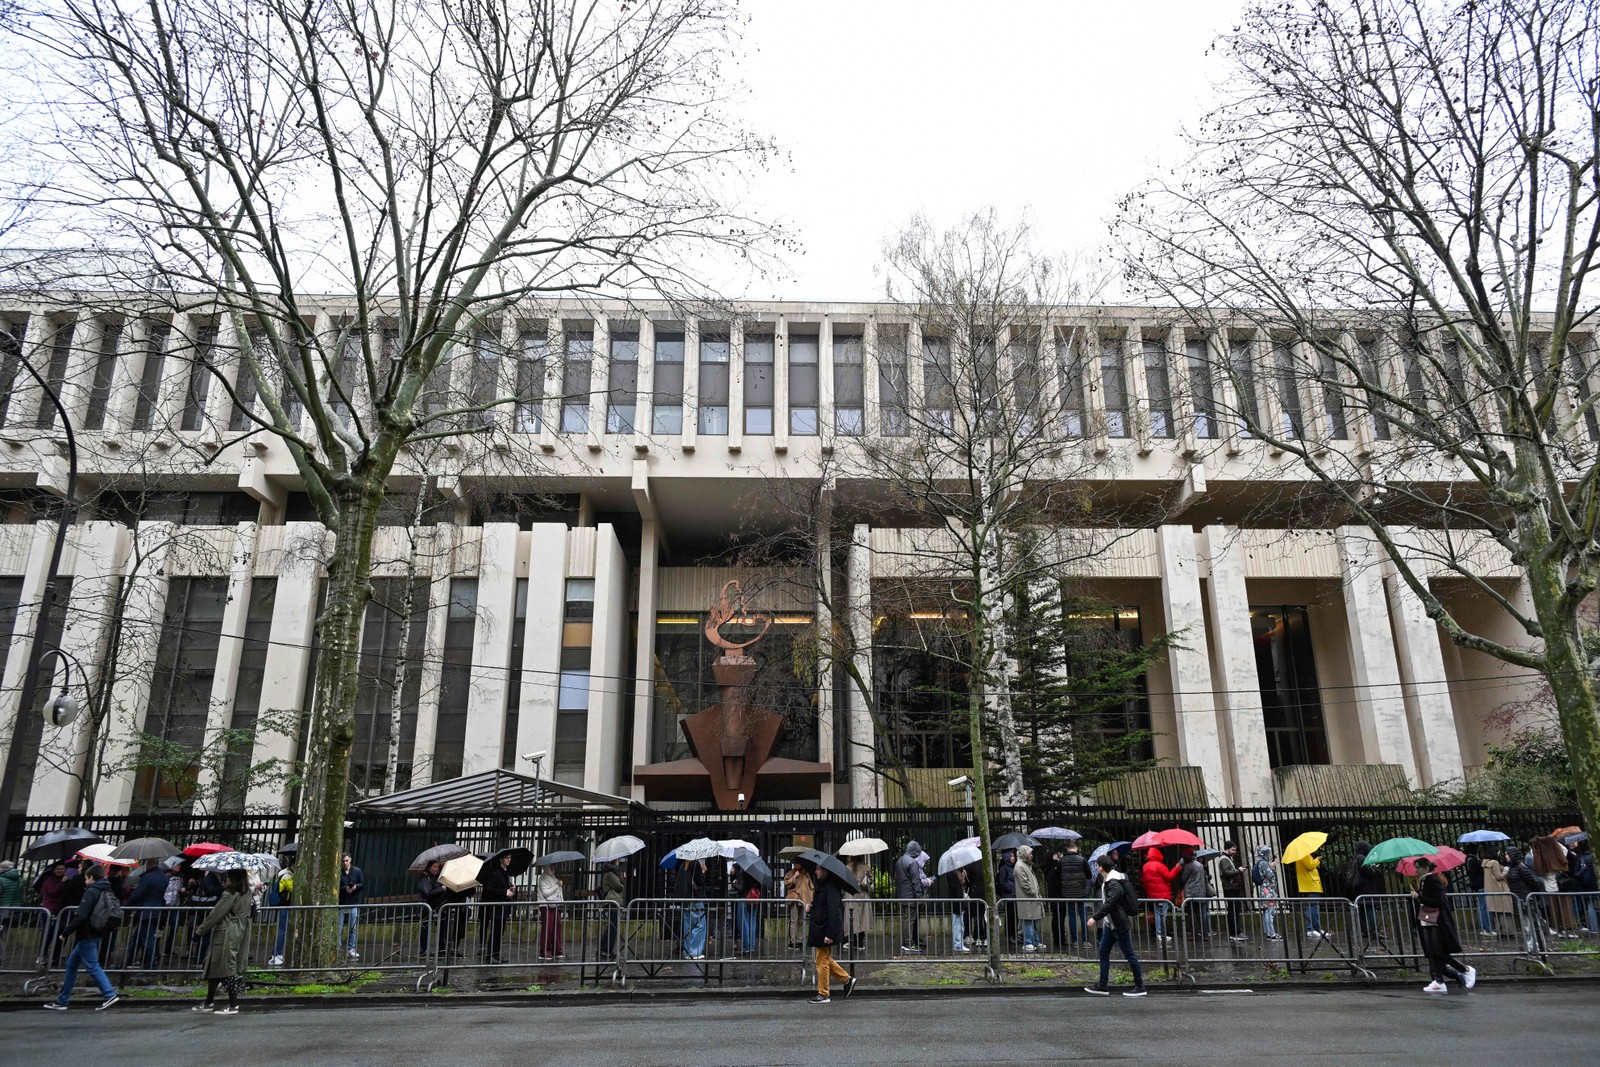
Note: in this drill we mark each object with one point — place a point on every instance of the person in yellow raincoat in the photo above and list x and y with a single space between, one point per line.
1309 881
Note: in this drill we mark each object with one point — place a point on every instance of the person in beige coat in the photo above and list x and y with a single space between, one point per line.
1030 896
797 889
1498 894
228 923
858 906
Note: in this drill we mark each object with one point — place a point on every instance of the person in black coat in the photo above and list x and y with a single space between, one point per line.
432 894
497 896
1522 882
144 906
1440 939
1005 893
826 931
1361 883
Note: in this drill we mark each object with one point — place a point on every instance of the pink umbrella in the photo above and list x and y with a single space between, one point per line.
1148 839
1448 859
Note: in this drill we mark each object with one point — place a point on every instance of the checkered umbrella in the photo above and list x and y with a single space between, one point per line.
234 861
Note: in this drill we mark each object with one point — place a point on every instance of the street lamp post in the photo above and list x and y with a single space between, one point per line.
37 650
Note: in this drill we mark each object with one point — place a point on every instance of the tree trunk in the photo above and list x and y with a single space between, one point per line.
325 794
980 819
391 779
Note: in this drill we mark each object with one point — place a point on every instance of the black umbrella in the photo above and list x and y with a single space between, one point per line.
555 858
832 864
1011 841
293 849
521 860
753 865
145 848
440 853
62 843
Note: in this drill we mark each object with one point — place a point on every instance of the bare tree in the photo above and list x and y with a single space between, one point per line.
444 163
1396 200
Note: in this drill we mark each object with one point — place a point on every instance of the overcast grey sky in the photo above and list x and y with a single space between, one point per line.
889 107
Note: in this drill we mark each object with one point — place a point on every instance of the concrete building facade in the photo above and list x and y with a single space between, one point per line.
552 600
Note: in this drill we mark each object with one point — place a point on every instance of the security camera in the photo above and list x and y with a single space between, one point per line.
963 780
535 757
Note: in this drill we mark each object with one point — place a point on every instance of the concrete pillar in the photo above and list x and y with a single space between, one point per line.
230 650
1427 690
491 647
541 641
861 750
98 556
27 621
1236 677
608 648
644 662
431 676
827 735
284 683
1385 730
1193 701
144 607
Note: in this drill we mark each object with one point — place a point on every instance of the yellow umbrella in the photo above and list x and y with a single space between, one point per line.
1303 846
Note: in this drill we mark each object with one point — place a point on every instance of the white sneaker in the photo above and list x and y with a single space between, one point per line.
276 961
1436 987
354 954
1470 979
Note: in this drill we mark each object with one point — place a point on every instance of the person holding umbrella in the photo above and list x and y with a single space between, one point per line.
433 895
858 905
1437 925
228 927
826 931
614 890
1116 910
747 888
550 901
798 888
497 891
147 900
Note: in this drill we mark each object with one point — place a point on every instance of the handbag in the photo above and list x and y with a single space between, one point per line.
1428 916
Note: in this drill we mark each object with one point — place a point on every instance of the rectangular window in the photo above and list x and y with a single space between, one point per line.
455 680
715 351
155 362
483 376
849 389
1026 384
55 372
894 383
12 334
392 635
1372 371
1159 386
244 381
805 355
105 367
198 378
1074 405
1202 389
533 349
1114 386
1416 388
572 693
10 601
180 694
1291 417
667 411
1242 363
519 630
1334 421
759 394
236 783
1291 700
622 382
1580 372
938 383
575 381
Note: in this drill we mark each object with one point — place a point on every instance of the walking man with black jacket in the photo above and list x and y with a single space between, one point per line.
91 921
1117 904
827 931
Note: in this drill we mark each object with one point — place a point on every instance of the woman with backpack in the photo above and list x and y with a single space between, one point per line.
228 926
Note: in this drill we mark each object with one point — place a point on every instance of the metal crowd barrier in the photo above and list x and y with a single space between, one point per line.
387 938
1064 934
701 938
26 937
922 931
1562 924
1302 933
516 936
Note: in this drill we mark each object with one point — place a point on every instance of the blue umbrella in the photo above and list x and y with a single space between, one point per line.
1055 833
1103 849
1476 837
669 860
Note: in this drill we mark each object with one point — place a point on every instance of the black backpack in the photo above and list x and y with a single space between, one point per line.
107 913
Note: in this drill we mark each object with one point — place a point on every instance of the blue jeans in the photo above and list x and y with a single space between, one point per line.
1111 935
749 926
1485 924
350 917
85 954
1075 928
1030 931
283 932
1313 911
694 930
957 942
1161 907
1269 917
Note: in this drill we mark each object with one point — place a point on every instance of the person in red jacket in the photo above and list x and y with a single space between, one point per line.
1157 878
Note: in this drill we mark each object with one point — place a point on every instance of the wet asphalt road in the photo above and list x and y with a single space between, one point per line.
1370 1027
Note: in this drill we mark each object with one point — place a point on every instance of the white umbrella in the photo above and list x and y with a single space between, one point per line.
864 846
733 846
617 848
236 861
959 855
102 853
701 848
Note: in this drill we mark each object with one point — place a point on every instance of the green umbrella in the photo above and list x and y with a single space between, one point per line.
1398 848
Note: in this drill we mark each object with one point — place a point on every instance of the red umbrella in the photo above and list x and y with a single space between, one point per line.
1176 836
205 848
1447 859
1148 839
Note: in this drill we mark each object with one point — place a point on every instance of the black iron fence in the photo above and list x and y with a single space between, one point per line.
384 846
